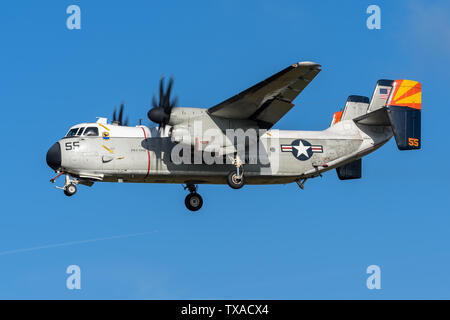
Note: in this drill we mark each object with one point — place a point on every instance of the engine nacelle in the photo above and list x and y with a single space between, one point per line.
180 134
216 143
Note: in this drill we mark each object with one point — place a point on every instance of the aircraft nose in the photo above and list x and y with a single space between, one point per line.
54 156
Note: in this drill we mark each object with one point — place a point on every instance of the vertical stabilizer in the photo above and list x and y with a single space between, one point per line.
380 95
404 109
356 106
336 118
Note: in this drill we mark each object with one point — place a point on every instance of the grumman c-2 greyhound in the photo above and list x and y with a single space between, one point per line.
233 142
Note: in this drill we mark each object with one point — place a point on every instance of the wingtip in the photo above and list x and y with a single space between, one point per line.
306 64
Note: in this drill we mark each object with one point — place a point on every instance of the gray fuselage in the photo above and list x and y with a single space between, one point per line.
141 154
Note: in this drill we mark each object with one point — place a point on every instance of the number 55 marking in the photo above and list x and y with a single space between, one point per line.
413 142
72 145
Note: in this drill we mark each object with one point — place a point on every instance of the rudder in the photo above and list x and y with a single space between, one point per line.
404 109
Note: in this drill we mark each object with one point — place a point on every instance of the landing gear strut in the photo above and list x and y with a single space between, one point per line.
235 179
70 186
193 200
301 183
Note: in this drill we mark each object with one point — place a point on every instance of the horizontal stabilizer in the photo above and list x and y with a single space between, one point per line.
374 118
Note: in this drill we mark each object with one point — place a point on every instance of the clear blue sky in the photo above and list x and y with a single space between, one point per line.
261 241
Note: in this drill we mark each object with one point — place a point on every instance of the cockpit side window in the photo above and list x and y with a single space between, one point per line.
80 131
72 132
91 131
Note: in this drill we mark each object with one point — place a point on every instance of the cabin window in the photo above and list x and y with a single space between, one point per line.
91 131
80 131
72 132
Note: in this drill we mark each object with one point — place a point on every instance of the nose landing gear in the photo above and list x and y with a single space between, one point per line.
70 189
193 200
70 186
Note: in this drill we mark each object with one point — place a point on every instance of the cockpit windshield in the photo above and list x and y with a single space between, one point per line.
89 131
72 132
80 131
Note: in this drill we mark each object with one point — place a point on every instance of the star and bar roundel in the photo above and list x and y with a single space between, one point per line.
301 149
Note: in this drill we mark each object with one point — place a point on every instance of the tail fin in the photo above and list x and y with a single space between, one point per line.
404 109
336 117
380 95
354 107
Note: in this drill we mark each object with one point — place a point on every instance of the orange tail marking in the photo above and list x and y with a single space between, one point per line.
406 93
336 117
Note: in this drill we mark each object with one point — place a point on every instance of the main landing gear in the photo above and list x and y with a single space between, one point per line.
235 179
193 200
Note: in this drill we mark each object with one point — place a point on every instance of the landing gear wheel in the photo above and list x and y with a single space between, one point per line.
70 190
235 181
193 201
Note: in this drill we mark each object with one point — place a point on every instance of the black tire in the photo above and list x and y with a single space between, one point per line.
193 201
70 190
234 182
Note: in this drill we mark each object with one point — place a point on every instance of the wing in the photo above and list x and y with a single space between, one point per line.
268 101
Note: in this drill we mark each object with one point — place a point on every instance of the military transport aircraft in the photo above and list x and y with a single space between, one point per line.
233 142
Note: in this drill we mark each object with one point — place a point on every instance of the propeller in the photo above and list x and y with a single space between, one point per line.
161 110
118 119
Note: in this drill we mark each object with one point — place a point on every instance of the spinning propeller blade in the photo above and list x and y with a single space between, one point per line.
119 120
161 110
